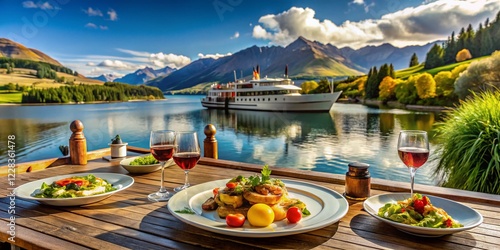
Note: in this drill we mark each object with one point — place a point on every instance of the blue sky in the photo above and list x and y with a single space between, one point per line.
118 37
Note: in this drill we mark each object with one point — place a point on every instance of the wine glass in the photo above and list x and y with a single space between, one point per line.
187 154
162 145
413 150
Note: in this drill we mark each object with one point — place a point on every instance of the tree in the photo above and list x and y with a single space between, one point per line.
434 57
10 87
444 84
308 86
457 70
392 72
426 86
406 92
486 43
371 87
479 76
387 89
413 60
450 50
463 55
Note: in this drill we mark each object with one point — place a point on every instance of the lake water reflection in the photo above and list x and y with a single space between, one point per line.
324 142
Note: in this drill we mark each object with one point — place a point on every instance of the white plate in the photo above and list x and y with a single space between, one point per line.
469 217
119 181
326 207
139 169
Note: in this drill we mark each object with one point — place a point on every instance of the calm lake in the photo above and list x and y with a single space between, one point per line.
324 142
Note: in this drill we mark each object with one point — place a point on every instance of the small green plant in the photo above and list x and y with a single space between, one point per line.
116 140
469 139
64 149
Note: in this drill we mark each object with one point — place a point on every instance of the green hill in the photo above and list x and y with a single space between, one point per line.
405 73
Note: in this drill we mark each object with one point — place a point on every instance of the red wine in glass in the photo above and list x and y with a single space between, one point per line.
162 153
162 145
186 161
413 150
186 154
413 157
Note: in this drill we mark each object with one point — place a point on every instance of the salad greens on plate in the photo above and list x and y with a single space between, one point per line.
418 211
77 186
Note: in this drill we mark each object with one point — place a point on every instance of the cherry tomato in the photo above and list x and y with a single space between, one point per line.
231 185
419 206
235 220
294 215
215 191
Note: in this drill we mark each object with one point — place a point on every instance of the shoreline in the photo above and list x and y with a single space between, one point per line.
395 104
79 103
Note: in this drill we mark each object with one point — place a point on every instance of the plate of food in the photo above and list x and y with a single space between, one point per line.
294 206
422 215
141 164
74 189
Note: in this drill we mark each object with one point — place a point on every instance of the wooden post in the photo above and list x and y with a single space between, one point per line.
77 144
210 143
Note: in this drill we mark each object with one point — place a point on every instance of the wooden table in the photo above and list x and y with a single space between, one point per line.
128 220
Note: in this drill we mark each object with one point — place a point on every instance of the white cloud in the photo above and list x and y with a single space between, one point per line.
415 25
90 64
102 27
29 5
93 12
113 16
360 2
91 25
235 36
134 53
214 56
174 61
33 5
117 64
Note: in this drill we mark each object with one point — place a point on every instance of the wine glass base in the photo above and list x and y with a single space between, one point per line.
180 188
156 197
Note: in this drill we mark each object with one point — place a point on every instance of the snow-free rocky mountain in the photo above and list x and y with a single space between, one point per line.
304 58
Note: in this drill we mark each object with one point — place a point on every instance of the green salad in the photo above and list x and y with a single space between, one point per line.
77 186
144 160
418 211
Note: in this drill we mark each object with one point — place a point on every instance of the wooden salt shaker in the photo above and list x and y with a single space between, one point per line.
357 181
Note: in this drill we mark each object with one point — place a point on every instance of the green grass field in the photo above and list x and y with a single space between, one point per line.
10 97
405 73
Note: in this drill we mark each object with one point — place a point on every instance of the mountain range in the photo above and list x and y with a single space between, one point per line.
304 58
140 76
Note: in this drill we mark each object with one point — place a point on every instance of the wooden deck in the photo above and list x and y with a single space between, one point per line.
127 220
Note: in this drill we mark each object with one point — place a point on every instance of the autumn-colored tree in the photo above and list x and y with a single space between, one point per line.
361 85
406 92
387 89
444 84
426 86
463 55
308 86
458 69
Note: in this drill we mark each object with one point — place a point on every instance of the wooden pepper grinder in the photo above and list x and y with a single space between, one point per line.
357 181
77 144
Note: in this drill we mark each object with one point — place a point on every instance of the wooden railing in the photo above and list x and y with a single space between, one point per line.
78 154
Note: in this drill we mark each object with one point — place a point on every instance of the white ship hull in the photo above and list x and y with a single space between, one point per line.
280 103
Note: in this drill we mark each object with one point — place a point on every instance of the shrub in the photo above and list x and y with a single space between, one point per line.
469 152
444 84
387 89
455 73
406 92
463 55
479 76
308 86
426 86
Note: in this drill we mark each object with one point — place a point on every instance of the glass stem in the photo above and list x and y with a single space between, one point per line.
186 179
162 188
412 176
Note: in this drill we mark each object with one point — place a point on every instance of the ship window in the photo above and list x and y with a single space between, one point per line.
268 99
258 99
275 99
283 99
254 99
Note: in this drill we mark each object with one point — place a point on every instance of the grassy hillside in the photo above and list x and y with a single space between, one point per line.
405 73
25 77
